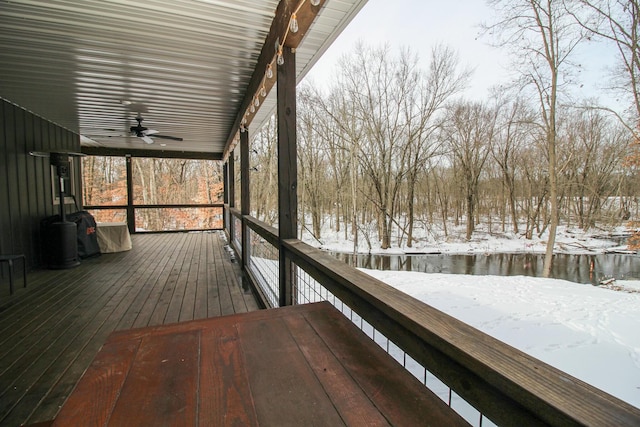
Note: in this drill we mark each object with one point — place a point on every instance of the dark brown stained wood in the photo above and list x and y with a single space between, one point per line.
214 267
306 15
401 398
155 288
268 367
223 382
287 147
161 387
351 402
108 373
232 195
69 348
179 285
149 154
245 199
160 313
198 285
50 331
145 283
287 168
280 377
131 212
191 285
276 32
511 387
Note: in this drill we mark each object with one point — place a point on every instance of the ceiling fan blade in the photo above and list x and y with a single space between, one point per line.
175 138
146 139
150 132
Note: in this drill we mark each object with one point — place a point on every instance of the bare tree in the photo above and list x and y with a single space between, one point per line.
513 133
469 131
617 21
542 38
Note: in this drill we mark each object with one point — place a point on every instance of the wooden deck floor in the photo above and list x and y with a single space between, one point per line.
51 331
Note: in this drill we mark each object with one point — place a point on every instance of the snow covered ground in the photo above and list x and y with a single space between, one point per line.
592 333
484 240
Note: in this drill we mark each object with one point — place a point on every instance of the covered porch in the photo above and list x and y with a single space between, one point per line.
76 78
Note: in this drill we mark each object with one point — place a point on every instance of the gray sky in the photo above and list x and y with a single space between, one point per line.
419 24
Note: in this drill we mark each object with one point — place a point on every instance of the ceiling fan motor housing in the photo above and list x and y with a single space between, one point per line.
138 130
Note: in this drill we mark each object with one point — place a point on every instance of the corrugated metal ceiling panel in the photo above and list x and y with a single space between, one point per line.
92 65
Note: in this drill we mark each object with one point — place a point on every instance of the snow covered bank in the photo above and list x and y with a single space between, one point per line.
590 332
433 240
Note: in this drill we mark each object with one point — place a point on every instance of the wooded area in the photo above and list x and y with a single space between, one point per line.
389 146
155 182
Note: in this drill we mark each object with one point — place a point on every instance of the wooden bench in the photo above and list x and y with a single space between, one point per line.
9 259
299 365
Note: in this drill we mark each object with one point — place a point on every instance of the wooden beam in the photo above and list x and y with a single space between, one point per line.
232 195
159 154
279 28
244 194
131 212
287 167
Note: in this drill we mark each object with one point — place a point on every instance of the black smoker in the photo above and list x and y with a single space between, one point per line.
61 236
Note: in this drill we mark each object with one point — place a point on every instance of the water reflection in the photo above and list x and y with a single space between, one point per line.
576 268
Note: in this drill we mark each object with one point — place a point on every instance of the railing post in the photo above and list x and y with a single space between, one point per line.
225 199
244 193
131 211
232 195
287 169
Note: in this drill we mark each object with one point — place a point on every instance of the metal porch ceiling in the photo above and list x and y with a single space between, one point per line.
92 65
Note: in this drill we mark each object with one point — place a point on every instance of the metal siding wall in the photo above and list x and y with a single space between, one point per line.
25 181
5 222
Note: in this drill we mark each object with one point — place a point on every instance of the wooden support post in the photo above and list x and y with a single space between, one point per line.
131 212
244 194
225 197
287 169
232 195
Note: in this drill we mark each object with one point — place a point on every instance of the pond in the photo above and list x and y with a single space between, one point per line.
575 268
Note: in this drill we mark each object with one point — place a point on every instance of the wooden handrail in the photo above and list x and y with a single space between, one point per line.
267 232
508 386
169 206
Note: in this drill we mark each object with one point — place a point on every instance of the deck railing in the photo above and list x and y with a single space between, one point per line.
127 213
465 367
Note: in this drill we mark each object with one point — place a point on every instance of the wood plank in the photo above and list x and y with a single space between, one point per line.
167 264
69 366
180 286
161 313
102 383
201 281
50 363
224 275
162 386
399 396
147 280
190 278
94 334
352 403
281 376
69 314
287 168
213 289
206 325
225 398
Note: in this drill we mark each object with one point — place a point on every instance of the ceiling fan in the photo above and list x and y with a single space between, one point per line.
146 133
